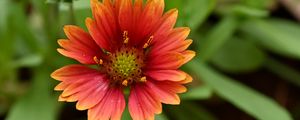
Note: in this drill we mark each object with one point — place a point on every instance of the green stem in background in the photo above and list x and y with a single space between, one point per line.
72 15
283 71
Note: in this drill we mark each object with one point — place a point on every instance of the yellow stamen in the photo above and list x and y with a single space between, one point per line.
143 79
148 42
98 61
125 37
125 82
126 40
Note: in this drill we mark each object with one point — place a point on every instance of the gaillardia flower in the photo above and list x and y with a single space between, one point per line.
135 46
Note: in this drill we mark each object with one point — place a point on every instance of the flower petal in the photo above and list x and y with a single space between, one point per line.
166 23
150 16
143 103
188 79
188 55
71 72
106 21
80 45
166 90
126 15
97 34
173 41
82 84
162 75
111 106
166 61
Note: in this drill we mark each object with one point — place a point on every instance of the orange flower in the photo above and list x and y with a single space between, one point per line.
134 46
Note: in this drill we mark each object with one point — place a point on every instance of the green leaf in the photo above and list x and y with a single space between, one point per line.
29 61
52 1
217 37
247 11
196 11
284 71
78 14
196 93
161 117
3 14
23 28
238 55
243 97
126 115
263 4
38 103
78 4
192 13
188 111
279 36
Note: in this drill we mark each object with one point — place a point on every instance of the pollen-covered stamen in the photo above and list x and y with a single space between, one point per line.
149 41
125 82
124 66
143 79
125 37
98 61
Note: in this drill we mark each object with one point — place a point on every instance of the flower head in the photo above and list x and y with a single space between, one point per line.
134 45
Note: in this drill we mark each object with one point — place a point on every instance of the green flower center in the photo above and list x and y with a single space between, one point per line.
125 65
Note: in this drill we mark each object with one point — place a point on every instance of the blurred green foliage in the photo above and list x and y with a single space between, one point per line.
241 37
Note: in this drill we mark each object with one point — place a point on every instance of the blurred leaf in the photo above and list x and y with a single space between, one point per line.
126 115
188 111
38 103
192 13
196 11
263 4
243 97
161 117
238 55
3 14
279 36
284 71
52 1
23 28
196 93
29 61
81 11
249 11
217 37
78 4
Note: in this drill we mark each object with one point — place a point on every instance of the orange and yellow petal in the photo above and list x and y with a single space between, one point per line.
188 79
105 20
166 22
99 37
82 84
143 103
110 107
167 91
80 45
166 75
188 55
126 15
173 40
171 60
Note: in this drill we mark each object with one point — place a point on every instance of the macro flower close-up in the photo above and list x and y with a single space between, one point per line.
149 60
134 45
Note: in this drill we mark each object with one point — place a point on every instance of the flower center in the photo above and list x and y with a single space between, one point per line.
124 66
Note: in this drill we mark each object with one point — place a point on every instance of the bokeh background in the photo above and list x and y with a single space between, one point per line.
247 65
